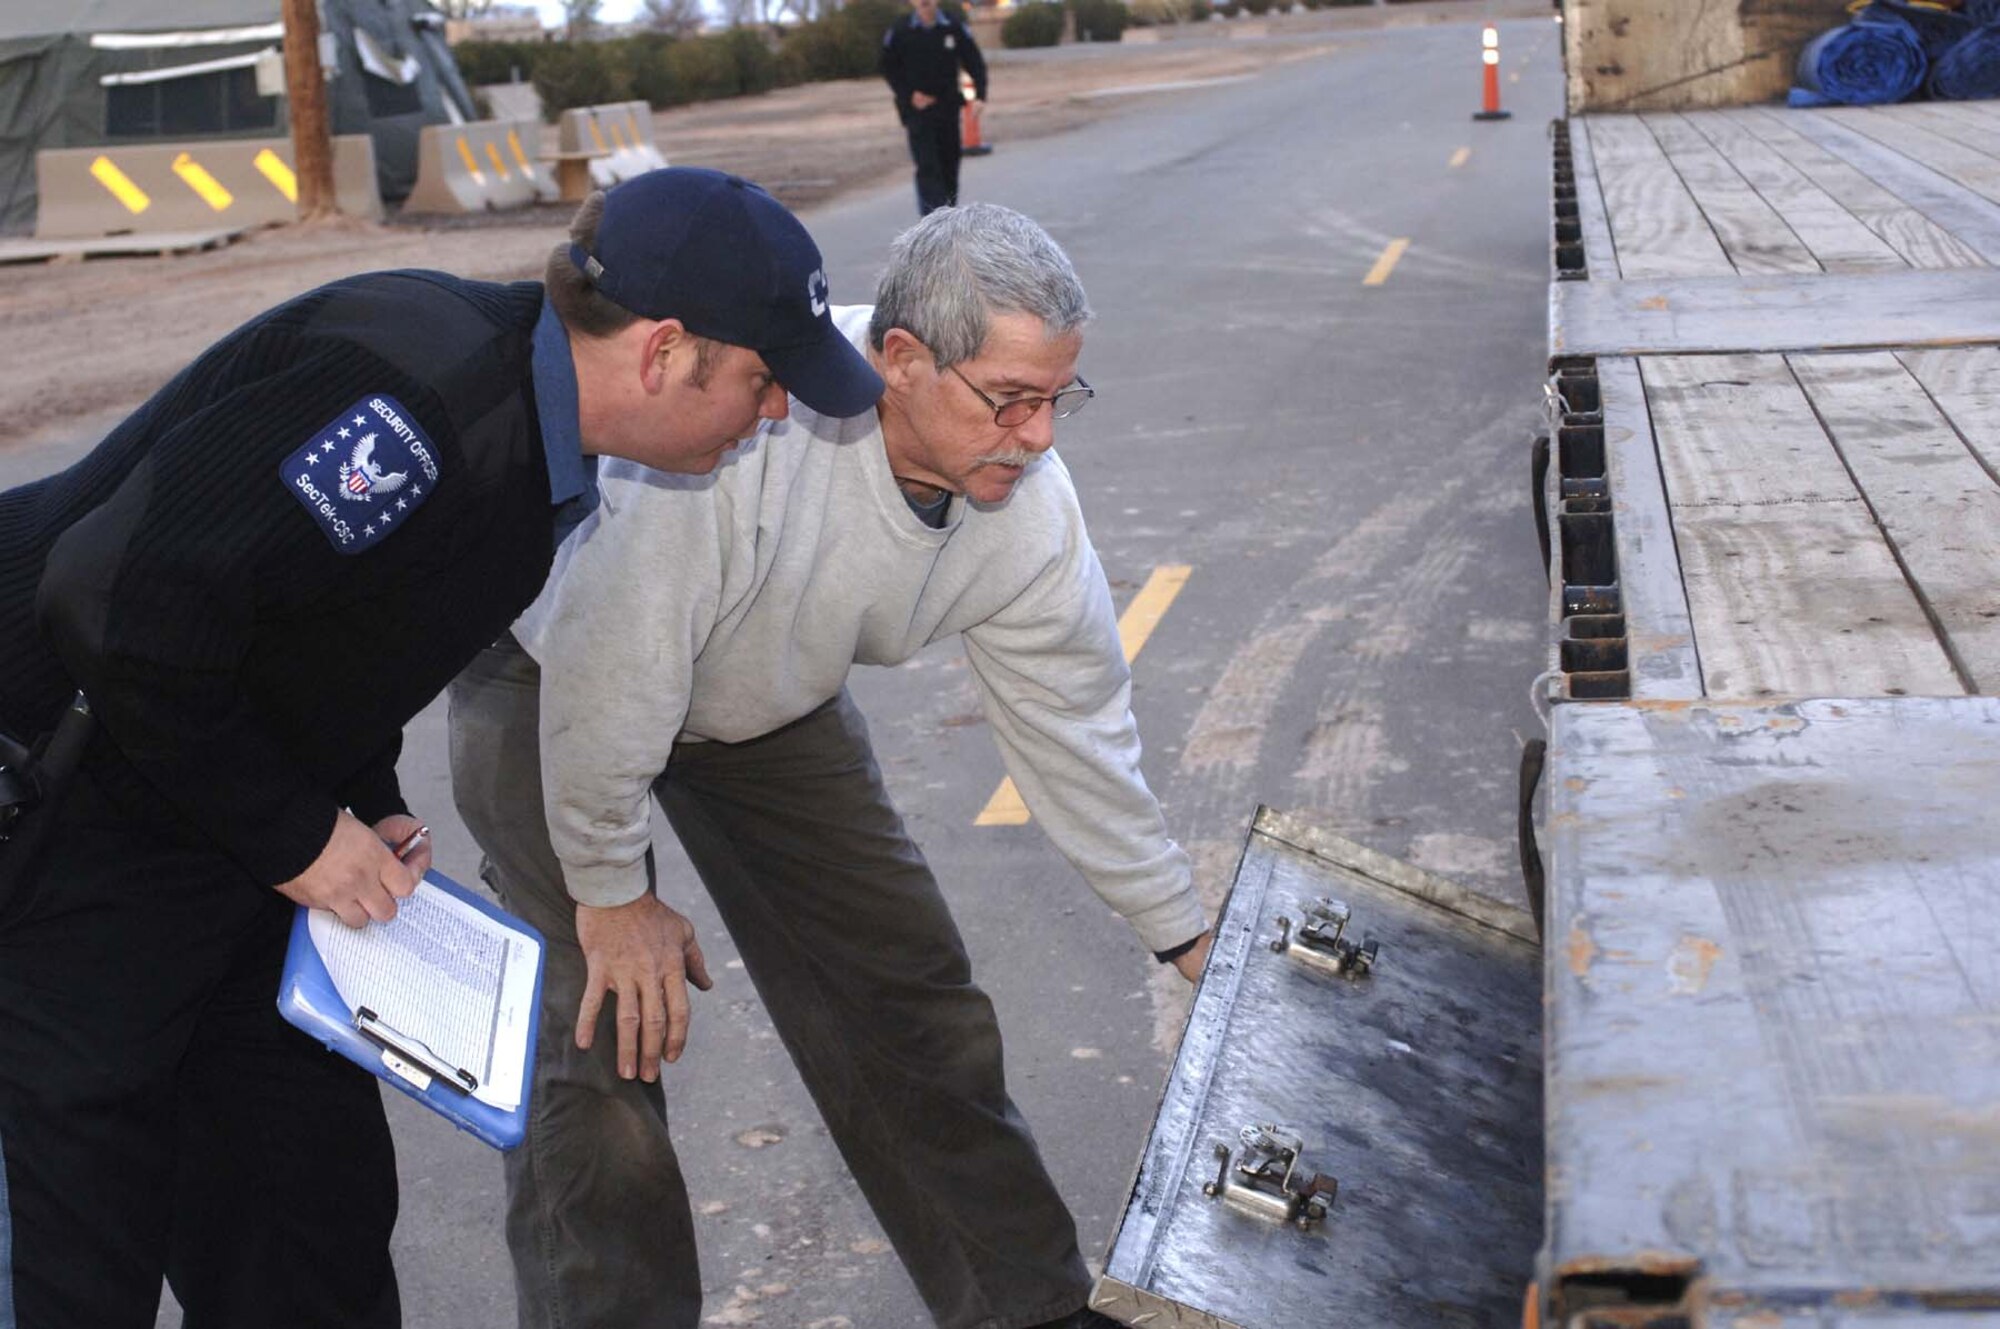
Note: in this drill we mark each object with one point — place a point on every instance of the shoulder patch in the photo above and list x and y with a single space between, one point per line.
364 474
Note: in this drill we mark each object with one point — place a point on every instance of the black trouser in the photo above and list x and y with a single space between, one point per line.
934 147
157 1117
852 949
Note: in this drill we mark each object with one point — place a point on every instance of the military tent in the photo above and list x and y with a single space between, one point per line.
107 72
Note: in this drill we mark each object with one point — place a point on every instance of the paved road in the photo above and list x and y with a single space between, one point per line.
1342 468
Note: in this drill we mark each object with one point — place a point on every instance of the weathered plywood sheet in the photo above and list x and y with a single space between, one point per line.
1833 235
1780 312
1669 55
1930 495
1792 588
1774 1002
1752 233
1659 636
1655 222
1920 241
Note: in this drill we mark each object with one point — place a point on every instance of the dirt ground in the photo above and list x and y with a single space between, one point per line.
92 337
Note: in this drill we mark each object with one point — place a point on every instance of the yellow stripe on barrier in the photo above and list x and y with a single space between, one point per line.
520 157
1135 626
617 137
195 177
272 167
632 121
471 162
595 132
120 185
499 165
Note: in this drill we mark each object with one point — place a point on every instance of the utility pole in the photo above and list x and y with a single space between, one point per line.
305 88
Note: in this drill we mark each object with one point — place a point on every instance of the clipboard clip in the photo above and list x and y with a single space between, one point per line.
413 1051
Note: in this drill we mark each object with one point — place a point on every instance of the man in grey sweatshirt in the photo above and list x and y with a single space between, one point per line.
692 646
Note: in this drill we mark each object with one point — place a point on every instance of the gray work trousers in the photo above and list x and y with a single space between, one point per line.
843 931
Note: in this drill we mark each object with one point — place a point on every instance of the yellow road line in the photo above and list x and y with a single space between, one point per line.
1387 263
120 185
1135 626
1460 158
202 183
273 168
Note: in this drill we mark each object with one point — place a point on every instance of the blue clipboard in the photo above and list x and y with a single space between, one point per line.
308 999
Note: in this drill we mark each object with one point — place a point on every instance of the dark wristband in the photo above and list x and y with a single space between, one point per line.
1175 953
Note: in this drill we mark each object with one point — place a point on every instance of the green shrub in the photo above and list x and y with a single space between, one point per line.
1199 11
1256 6
1100 20
580 74
846 43
1037 23
496 62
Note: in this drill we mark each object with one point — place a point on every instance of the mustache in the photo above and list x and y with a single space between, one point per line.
1018 458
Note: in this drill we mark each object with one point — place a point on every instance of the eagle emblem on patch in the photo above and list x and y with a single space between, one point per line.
364 474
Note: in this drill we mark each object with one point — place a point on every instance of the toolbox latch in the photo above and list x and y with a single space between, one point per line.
1317 940
1265 1179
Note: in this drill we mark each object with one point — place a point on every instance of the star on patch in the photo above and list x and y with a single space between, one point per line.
343 433
312 458
326 446
360 420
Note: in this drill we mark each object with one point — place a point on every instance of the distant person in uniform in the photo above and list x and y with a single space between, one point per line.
921 57
693 648
257 580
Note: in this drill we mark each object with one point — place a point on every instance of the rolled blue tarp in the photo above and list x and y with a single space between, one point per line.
1938 29
1970 70
1863 63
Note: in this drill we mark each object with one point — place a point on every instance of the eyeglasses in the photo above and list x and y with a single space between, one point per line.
1019 410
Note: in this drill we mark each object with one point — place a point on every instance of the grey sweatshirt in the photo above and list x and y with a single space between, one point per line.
726 606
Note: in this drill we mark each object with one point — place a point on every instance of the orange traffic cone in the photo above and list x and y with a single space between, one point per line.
970 142
1489 42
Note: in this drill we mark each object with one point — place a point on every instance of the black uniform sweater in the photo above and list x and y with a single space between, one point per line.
249 676
919 59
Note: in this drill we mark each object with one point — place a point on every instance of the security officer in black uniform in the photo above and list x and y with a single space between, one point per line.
256 580
921 57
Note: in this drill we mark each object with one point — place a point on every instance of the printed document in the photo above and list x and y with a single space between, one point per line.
445 975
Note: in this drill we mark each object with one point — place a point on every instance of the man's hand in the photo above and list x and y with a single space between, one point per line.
1190 964
355 875
400 826
645 954
923 101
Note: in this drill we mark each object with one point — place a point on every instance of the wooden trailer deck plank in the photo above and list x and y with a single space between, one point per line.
1655 222
1600 254
1964 381
1753 234
1659 635
1933 498
1791 586
1919 240
1835 236
1968 167
1775 312
1939 118
1779 917
1973 219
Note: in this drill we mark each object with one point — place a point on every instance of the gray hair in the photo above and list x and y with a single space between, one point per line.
958 267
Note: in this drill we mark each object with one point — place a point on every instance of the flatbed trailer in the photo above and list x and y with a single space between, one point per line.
1768 810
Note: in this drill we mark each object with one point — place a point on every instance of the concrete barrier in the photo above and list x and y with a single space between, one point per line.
181 187
476 167
610 143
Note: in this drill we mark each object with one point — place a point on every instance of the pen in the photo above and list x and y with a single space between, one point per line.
402 847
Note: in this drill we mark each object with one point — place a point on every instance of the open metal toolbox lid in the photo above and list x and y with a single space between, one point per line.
1774 1013
1397 1055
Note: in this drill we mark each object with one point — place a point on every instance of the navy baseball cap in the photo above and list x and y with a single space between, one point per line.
728 261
